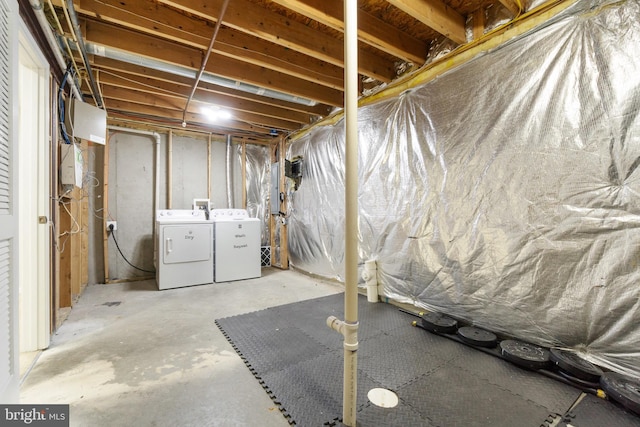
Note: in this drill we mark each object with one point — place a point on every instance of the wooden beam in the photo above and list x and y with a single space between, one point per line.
371 30
250 18
170 117
436 15
105 210
478 23
173 53
170 102
181 91
84 221
284 243
75 243
128 70
155 19
64 247
513 6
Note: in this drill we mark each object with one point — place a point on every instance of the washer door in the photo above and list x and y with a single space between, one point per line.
186 243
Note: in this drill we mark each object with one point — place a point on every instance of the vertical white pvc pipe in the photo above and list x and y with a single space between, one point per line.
351 211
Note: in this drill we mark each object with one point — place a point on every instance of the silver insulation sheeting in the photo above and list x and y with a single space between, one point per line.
505 192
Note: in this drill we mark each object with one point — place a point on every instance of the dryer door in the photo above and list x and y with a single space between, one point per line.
186 243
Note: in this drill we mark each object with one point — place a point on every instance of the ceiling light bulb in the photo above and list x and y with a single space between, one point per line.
215 113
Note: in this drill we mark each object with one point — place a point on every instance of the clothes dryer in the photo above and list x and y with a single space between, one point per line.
184 248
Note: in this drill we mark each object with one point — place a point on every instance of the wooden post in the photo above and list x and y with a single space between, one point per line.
84 222
284 244
105 209
64 244
75 243
272 217
478 23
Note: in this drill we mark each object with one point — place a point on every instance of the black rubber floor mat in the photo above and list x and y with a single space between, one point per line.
456 397
299 362
595 412
553 395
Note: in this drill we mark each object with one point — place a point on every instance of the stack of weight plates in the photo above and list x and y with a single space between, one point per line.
575 368
523 354
622 389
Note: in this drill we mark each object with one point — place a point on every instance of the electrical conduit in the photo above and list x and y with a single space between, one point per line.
37 7
83 52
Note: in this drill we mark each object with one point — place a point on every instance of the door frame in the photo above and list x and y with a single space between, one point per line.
35 177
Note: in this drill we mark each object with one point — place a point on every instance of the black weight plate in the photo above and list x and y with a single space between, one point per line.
524 354
622 389
441 323
578 381
575 365
478 337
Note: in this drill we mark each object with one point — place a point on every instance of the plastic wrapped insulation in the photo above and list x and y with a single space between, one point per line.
505 192
258 180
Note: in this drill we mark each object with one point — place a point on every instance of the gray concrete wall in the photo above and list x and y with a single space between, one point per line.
131 194
131 198
189 171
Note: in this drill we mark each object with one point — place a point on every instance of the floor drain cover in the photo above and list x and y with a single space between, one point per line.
383 398
478 337
524 354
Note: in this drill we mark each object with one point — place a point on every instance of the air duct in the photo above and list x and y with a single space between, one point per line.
178 70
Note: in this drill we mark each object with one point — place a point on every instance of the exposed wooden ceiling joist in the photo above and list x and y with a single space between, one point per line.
157 20
174 102
247 17
152 47
371 30
269 56
128 71
437 15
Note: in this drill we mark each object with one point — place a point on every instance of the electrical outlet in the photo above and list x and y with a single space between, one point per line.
112 223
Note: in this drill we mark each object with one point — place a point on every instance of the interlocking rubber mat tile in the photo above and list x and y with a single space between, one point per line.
595 412
298 360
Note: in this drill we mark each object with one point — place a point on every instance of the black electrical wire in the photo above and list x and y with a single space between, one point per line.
63 127
113 234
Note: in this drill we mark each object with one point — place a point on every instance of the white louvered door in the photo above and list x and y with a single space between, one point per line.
9 363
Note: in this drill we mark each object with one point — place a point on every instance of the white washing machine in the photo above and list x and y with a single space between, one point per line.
184 248
236 245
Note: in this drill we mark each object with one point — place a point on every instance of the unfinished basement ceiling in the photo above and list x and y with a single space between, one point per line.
275 65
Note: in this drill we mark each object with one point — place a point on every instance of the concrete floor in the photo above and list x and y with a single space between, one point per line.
130 355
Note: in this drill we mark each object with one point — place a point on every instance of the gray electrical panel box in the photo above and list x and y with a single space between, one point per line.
275 188
88 122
